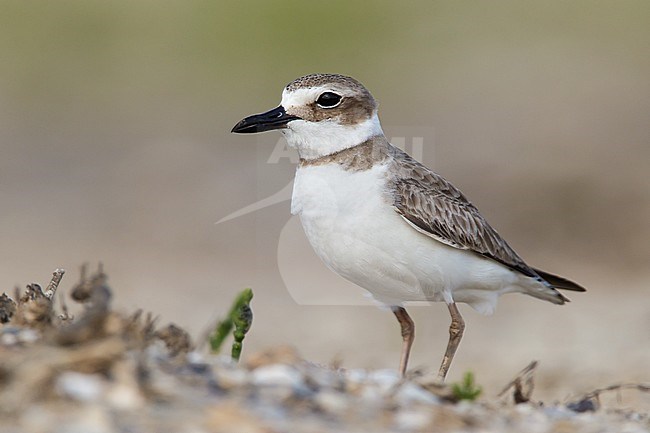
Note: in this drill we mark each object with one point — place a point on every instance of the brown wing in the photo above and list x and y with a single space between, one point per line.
437 208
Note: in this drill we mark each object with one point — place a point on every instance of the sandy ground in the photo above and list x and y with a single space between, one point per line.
102 371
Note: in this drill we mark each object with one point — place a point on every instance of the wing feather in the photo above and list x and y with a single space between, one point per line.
435 207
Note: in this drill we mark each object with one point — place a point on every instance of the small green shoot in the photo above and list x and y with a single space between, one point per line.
467 389
240 317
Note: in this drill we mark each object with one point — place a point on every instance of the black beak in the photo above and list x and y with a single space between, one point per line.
274 119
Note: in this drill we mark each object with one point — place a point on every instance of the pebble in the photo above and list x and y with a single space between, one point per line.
124 397
356 375
12 336
9 339
229 378
413 420
81 387
410 393
278 375
386 378
332 402
195 357
323 377
28 336
558 412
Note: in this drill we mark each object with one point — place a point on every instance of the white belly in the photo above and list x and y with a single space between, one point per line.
352 226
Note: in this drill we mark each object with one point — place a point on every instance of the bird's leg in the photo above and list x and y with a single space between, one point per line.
408 335
455 334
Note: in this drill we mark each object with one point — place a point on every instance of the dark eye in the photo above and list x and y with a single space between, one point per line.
328 100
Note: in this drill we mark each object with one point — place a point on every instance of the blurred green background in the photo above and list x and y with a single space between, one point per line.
115 147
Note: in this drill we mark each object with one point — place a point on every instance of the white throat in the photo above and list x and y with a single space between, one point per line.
316 139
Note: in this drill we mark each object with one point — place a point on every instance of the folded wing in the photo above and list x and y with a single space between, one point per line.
438 209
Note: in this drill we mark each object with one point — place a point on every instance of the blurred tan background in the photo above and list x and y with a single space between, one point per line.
115 147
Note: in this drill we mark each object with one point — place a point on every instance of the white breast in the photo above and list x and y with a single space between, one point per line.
350 222
352 227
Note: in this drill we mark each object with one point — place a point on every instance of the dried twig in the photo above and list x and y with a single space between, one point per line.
50 290
177 340
523 384
65 315
7 308
618 387
96 296
591 401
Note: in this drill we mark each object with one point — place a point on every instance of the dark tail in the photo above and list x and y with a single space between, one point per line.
559 282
